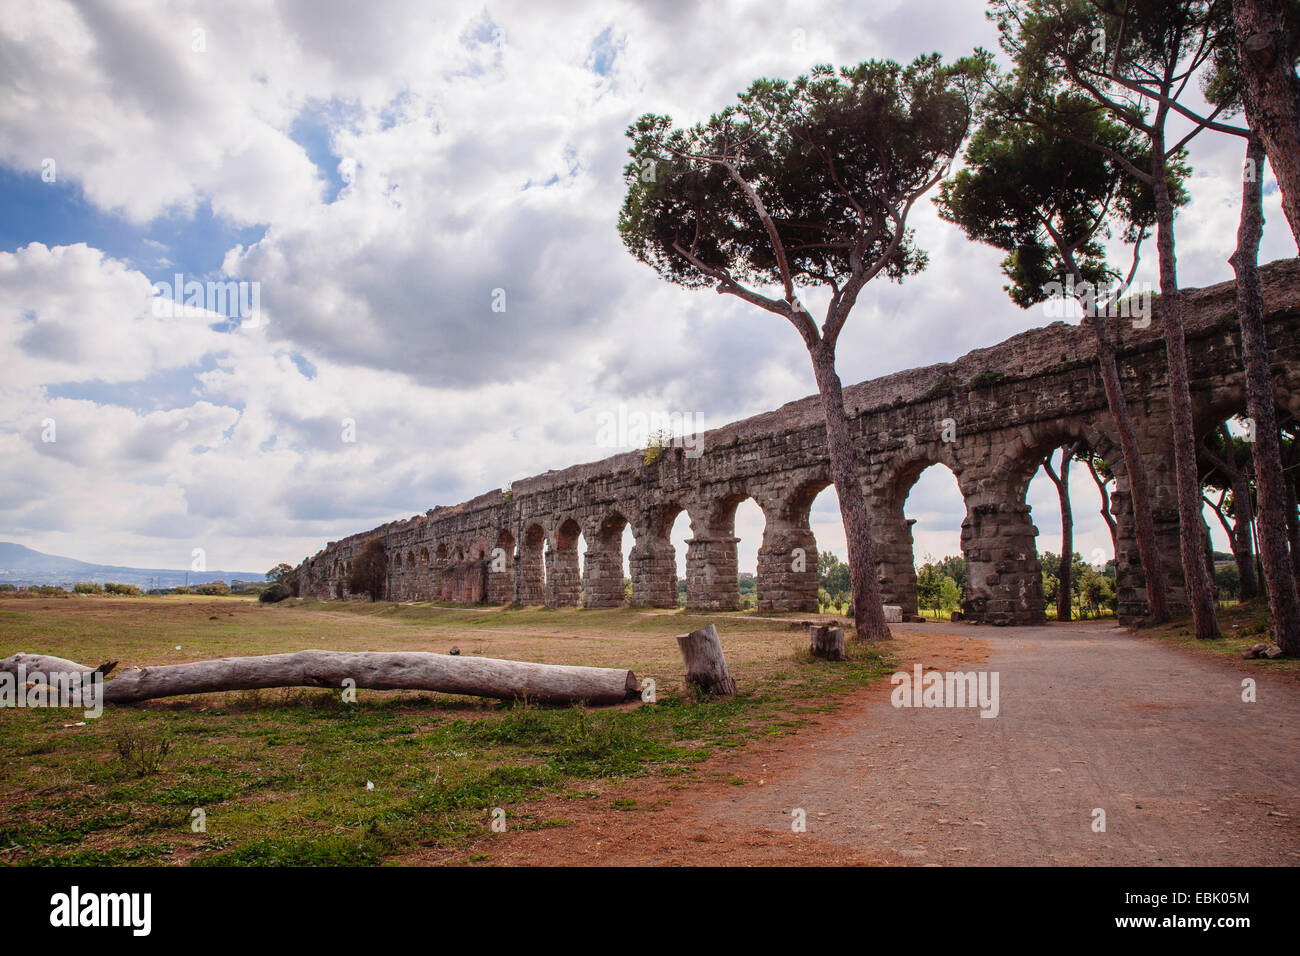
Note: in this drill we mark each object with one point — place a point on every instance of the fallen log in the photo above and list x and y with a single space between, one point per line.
372 670
706 665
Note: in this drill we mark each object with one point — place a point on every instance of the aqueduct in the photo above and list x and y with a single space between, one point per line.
990 417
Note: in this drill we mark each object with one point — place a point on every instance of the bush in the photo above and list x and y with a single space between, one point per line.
213 587
87 587
275 593
130 590
139 754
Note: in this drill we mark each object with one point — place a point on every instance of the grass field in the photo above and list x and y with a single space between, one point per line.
280 777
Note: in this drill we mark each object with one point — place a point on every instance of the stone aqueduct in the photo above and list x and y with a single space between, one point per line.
1004 408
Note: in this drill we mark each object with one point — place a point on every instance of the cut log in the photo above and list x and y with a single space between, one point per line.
706 666
372 670
826 642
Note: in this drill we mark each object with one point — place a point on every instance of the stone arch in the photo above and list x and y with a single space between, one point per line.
712 567
563 565
602 573
652 564
787 560
530 565
1004 577
892 529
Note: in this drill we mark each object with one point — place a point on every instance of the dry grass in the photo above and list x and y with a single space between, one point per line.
281 774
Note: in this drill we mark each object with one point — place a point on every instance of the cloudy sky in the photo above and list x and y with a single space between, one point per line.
386 173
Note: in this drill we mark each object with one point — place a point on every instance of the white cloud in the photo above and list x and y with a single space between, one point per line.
480 149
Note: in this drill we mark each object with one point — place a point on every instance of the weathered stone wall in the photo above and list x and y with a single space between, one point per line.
990 416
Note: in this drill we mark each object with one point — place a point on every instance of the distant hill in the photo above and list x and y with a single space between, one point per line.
22 565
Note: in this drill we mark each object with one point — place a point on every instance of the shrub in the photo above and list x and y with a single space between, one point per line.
213 587
87 587
139 754
130 590
275 593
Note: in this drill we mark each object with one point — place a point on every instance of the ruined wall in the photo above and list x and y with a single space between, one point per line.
990 416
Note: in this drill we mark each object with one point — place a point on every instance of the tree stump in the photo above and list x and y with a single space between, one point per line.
826 642
706 666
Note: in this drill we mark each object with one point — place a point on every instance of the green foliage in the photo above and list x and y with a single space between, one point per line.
655 445
1029 190
1091 590
943 384
213 588
1228 580
833 154
87 587
1096 591
281 572
275 593
833 579
941 585
129 590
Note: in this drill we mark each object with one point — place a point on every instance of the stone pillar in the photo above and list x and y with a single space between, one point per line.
712 578
1130 582
477 573
446 580
1169 542
1004 580
895 559
563 586
530 576
602 575
653 568
501 577
787 569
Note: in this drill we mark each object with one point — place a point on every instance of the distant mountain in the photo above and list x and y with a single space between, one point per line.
22 565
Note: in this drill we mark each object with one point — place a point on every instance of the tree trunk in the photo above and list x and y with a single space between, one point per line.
1293 526
1271 94
374 670
1270 481
868 604
1105 511
826 642
1243 548
1064 572
1240 536
1292 476
1200 584
1144 527
706 665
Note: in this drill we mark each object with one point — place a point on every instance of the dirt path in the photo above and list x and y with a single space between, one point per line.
1090 717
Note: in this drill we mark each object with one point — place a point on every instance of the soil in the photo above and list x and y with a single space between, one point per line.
1091 718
